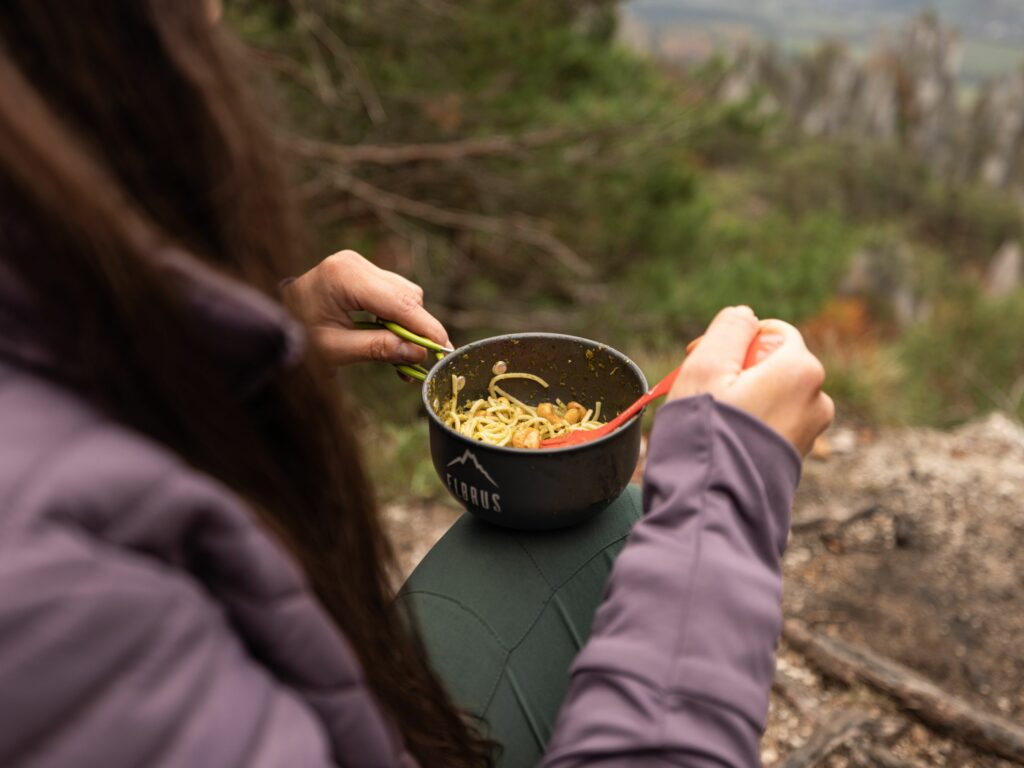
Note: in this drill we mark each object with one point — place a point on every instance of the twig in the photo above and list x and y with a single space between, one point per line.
346 61
834 524
884 758
325 87
1007 402
1015 398
792 690
438 8
447 151
496 318
285 65
918 696
838 732
515 229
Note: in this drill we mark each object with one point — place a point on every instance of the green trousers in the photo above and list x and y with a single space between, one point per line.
504 613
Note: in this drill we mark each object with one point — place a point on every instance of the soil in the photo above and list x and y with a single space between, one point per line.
907 542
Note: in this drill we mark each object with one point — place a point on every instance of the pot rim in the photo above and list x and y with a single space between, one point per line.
530 335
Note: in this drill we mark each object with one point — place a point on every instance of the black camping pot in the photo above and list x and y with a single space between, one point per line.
547 488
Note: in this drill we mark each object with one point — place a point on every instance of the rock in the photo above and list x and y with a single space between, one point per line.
885 273
822 449
905 91
996 133
835 442
930 57
905 530
1004 273
996 429
844 441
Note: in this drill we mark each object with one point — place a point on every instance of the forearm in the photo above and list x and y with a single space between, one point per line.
679 665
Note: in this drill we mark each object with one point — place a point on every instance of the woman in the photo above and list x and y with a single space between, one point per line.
193 573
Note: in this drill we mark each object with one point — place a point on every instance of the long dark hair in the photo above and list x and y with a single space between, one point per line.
124 129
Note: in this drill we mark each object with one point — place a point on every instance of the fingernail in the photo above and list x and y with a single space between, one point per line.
411 353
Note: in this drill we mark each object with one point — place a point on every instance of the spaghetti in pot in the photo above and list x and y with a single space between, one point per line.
502 419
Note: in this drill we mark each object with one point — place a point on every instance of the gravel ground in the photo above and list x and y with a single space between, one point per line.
908 542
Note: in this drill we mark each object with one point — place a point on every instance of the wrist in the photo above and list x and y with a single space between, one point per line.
701 429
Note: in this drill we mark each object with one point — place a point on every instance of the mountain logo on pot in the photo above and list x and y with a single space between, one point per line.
470 456
468 491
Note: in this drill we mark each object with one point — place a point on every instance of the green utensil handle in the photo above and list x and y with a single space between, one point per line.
417 372
402 333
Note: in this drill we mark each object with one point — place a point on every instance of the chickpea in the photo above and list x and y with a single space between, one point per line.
574 412
527 437
547 411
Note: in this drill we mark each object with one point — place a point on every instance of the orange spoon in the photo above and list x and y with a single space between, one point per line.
660 389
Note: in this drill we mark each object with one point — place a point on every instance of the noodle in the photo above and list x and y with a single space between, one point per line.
502 419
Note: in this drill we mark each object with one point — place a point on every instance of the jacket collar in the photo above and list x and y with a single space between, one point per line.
252 335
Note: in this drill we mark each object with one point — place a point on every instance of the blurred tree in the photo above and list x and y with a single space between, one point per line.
507 155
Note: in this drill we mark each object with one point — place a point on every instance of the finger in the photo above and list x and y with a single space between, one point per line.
341 346
725 343
764 346
760 348
402 282
408 286
780 329
403 305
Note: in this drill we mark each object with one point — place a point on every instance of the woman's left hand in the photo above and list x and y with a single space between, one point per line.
346 282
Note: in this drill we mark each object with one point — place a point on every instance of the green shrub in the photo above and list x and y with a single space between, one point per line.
867 182
867 385
398 460
780 267
968 358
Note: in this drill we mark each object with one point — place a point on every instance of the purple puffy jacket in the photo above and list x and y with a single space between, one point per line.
146 619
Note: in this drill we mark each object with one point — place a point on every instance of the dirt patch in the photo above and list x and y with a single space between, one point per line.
911 545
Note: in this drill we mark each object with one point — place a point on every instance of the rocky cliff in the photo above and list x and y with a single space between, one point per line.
905 91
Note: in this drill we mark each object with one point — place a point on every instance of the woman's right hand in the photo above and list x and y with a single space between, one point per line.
782 388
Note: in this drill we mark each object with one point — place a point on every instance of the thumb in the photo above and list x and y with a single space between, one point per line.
342 346
725 343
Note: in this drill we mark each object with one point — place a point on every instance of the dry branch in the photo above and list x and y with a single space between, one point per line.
918 696
344 58
324 83
447 151
285 65
834 525
884 758
792 690
463 220
835 734
499 318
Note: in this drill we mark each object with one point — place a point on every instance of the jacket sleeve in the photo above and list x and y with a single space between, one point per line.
680 662
107 658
